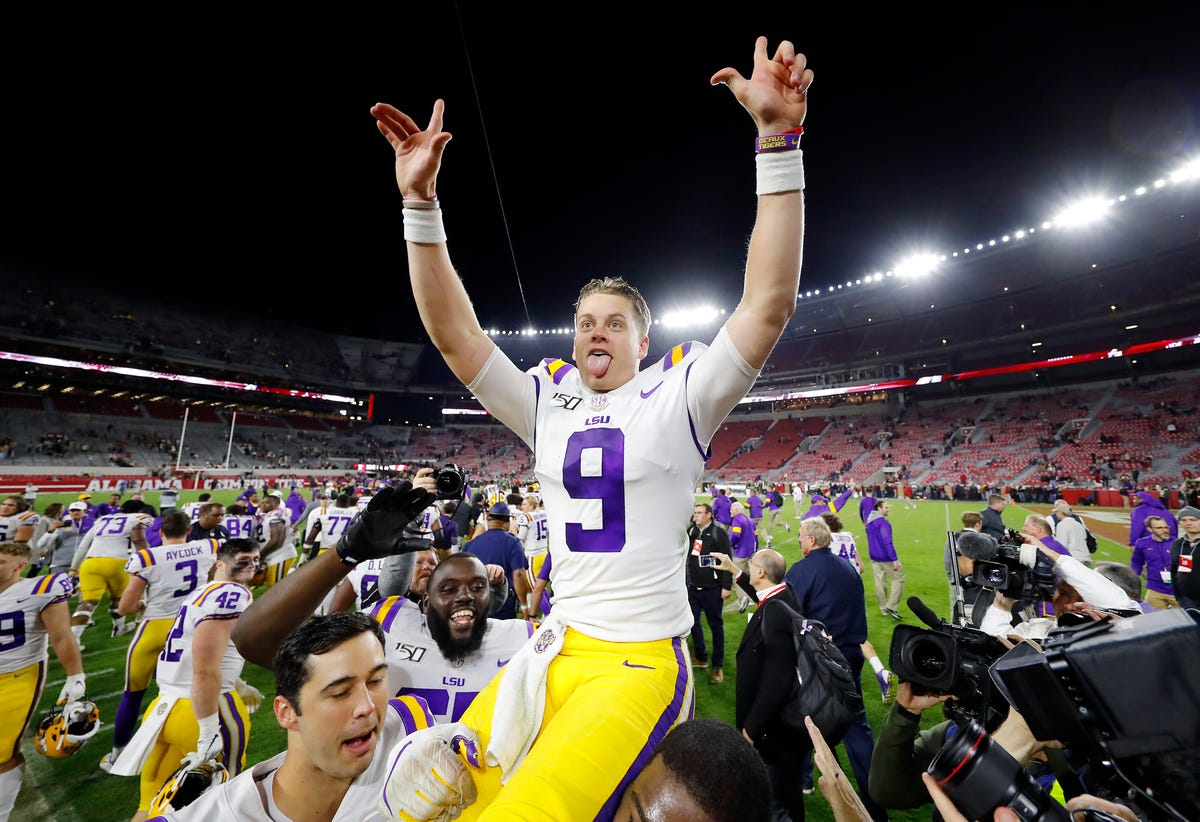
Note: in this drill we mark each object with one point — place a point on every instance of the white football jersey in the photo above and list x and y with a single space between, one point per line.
844 546
334 523
23 637
110 536
241 526
267 520
617 471
249 796
416 665
10 525
218 600
192 509
428 517
172 573
363 577
534 533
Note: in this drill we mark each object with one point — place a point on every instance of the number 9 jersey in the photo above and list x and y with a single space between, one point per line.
23 638
618 471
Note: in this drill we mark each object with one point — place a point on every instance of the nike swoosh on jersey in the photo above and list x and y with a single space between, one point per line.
646 394
629 664
500 663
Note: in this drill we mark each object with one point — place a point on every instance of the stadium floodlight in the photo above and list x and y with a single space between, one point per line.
690 317
918 265
1083 212
1187 172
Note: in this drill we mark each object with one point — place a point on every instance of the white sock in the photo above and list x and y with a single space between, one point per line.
877 664
10 786
77 630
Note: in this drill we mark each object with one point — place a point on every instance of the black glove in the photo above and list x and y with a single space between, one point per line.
384 528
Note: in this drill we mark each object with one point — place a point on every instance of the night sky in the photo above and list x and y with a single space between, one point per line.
232 161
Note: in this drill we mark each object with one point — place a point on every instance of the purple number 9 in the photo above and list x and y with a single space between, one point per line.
608 486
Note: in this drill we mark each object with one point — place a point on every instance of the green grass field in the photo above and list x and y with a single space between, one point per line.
76 789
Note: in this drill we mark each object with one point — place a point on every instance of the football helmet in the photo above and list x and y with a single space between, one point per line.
185 786
65 728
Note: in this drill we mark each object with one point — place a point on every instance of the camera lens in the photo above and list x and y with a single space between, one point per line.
929 659
980 776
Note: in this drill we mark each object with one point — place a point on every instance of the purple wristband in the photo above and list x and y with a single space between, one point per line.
769 143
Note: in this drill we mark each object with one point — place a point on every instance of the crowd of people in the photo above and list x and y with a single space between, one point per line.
422 672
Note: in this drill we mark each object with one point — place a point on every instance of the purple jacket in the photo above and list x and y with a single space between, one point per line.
1150 506
1155 557
741 534
755 503
720 505
865 508
879 539
819 506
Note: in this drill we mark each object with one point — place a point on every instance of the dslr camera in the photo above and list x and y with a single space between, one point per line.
950 659
451 481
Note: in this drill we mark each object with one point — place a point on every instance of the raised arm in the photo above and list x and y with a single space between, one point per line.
442 301
776 97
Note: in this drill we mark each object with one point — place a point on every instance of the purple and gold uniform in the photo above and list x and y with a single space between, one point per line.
24 652
169 729
171 574
416 664
108 546
617 471
250 797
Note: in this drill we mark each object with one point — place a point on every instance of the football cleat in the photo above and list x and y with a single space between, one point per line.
185 786
65 728
888 682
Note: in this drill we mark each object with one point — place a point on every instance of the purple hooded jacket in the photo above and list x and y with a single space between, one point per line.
1150 506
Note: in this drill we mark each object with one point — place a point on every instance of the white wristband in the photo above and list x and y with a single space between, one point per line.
424 225
779 171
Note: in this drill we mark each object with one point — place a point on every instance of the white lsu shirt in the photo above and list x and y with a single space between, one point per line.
250 795
334 522
23 637
172 573
241 526
534 532
416 665
617 472
110 535
363 577
219 600
266 522
10 525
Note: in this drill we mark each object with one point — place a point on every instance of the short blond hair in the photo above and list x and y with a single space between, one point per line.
16 549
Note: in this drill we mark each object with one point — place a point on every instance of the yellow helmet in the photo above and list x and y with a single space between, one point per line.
185 786
65 728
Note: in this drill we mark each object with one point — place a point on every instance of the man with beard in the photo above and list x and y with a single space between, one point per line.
471 648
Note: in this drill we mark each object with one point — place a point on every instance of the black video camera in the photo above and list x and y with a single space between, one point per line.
1126 694
1006 574
950 659
450 481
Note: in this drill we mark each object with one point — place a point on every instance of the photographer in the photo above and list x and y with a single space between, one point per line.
903 751
1078 583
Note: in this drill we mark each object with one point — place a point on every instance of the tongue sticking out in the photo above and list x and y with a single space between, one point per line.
598 364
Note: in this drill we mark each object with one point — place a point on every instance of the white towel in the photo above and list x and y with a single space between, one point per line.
133 757
521 698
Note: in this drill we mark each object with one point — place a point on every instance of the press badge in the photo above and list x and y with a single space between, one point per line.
1185 564
697 544
1165 575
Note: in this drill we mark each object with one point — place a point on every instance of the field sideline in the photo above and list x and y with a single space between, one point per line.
76 789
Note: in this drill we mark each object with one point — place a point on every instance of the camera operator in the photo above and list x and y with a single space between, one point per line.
903 751
970 600
1078 583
